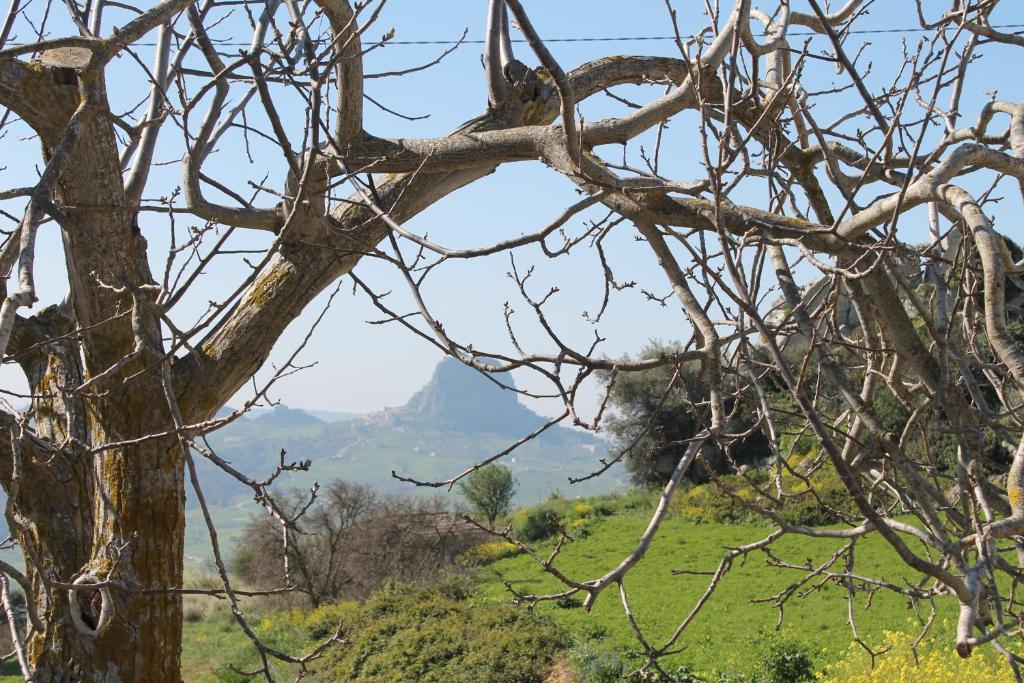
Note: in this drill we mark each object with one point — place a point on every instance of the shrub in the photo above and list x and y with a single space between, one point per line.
710 502
808 510
198 608
351 540
535 524
485 553
407 633
936 661
784 661
193 614
325 620
595 665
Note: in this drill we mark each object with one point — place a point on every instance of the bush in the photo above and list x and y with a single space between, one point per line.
808 510
784 661
407 633
710 503
198 608
351 539
936 661
594 665
485 553
577 517
535 524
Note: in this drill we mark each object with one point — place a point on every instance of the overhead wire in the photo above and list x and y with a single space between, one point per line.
599 39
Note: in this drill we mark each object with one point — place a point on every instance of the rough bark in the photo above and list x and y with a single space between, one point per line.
117 515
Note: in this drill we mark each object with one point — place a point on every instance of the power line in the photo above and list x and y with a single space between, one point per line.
620 39
602 39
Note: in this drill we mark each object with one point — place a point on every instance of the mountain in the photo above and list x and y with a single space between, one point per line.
457 419
283 417
461 398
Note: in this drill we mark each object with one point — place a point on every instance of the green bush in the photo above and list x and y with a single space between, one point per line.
407 633
807 510
535 524
594 665
784 661
711 503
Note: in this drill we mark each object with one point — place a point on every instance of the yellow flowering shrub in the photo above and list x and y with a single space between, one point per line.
487 553
318 622
582 509
937 662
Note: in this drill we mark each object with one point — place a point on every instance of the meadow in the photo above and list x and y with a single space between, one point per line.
725 642
728 637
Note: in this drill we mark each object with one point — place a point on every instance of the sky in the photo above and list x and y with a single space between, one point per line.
362 367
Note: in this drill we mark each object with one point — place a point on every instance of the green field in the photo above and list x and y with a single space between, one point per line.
729 629
725 637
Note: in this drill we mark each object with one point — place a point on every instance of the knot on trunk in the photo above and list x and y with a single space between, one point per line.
90 604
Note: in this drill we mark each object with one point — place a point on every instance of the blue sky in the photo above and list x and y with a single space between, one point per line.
362 367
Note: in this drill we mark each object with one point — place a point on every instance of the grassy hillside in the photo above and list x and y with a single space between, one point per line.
727 637
728 634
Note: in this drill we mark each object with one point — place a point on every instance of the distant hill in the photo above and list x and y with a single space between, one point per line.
332 415
457 419
283 417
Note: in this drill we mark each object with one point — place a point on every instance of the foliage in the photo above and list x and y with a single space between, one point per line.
784 661
388 641
351 540
931 441
536 523
936 661
576 517
829 502
733 499
653 424
595 665
603 640
710 503
489 491
485 553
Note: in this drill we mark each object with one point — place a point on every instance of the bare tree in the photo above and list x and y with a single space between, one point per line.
352 540
124 387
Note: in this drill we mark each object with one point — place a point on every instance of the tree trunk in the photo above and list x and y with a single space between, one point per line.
139 546
117 514
118 518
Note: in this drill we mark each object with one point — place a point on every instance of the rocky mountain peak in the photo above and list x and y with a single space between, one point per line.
459 397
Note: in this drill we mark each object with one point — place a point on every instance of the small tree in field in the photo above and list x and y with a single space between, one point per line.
489 490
